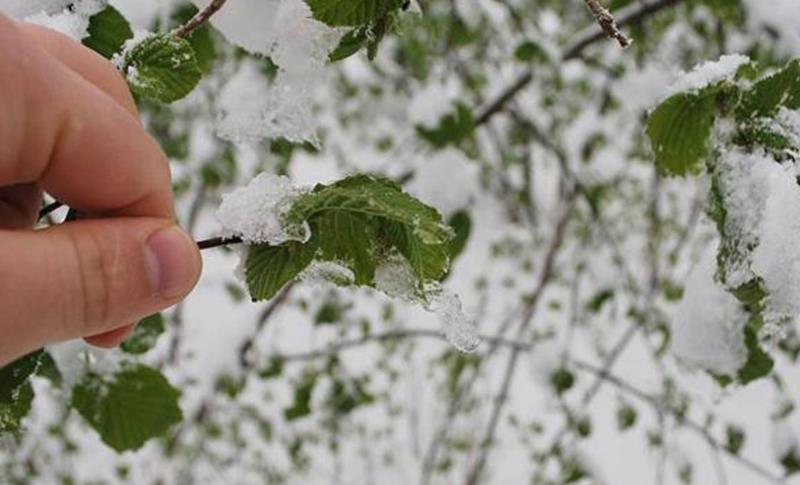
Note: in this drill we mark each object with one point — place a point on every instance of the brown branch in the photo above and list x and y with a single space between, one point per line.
502 396
625 17
607 23
203 16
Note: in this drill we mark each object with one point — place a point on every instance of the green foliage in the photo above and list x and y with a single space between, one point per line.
350 43
453 128
269 268
301 406
529 51
355 222
461 222
339 13
626 417
16 392
129 408
562 380
767 96
145 335
679 130
161 67
734 439
108 31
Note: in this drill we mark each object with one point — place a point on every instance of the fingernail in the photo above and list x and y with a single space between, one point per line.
171 259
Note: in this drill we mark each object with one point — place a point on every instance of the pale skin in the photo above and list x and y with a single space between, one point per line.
69 127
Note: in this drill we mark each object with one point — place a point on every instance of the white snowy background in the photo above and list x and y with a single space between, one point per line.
387 443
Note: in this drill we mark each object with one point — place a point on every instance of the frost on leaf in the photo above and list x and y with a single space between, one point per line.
159 66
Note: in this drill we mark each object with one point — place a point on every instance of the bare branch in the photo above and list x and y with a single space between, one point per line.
607 23
629 15
203 16
502 396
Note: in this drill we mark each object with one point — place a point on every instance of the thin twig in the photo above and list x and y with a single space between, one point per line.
660 406
194 23
502 396
628 15
216 242
607 23
50 208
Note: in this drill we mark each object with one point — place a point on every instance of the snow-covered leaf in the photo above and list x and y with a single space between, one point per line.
108 31
768 95
356 224
161 67
128 408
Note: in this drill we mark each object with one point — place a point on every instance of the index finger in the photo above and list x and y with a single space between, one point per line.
71 138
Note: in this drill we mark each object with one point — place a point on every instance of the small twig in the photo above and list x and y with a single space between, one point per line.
216 242
50 208
607 23
194 23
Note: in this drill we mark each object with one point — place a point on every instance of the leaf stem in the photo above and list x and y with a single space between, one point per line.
200 18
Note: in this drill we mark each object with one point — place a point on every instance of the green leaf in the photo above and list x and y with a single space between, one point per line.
462 227
734 439
562 380
529 51
129 408
453 128
372 196
201 39
161 67
338 13
16 392
355 223
429 261
302 397
679 129
145 335
108 30
768 95
269 268
348 238
759 364
350 43
626 417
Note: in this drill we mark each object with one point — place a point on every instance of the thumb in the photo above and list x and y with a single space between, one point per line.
89 277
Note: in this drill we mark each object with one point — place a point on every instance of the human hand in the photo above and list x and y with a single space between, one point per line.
68 126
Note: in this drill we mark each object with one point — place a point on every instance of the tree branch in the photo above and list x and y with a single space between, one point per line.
626 16
607 23
679 416
203 16
502 396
